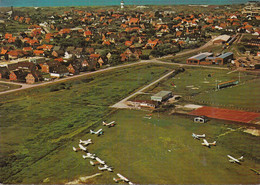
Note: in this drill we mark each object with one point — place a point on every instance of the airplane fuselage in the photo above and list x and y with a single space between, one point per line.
232 159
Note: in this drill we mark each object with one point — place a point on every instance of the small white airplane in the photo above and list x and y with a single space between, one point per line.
105 167
196 136
89 155
81 147
99 132
206 143
111 124
121 178
234 160
89 141
99 161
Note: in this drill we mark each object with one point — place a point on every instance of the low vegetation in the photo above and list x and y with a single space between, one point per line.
40 121
6 87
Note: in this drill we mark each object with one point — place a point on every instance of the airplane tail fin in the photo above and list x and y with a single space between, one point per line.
92 163
80 141
74 149
214 143
84 157
104 123
203 135
91 131
116 180
241 158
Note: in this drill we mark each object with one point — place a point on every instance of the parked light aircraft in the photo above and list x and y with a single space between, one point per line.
196 136
121 178
99 161
105 167
111 124
99 132
81 147
89 155
206 143
234 160
89 141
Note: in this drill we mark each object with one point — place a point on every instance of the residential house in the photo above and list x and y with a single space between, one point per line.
46 67
14 54
18 75
74 68
33 77
59 71
58 53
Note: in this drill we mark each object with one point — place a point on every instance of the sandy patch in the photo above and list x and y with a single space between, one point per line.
192 106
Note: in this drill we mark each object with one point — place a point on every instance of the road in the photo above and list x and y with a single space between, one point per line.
122 104
27 86
209 43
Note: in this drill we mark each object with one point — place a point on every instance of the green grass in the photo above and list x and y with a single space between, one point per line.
15 26
138 148
39 121
244 96
194 85
6 87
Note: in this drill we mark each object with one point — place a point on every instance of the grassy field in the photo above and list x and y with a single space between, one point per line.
156 151
6 87
245 96
41 125
39 121
195 85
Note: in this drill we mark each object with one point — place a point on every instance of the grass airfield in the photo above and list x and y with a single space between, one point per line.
156 151
41 125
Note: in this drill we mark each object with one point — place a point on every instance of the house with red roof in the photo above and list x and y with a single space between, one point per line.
38 52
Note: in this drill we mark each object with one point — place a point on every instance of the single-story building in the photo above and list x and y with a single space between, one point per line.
219 60
197 59
59 71
227 84
161 96
200 119
221 39
224 58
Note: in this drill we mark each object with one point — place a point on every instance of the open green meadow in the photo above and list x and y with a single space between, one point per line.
199 86
244 96
36 123
156 151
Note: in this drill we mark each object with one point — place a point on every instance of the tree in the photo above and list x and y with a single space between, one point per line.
114 59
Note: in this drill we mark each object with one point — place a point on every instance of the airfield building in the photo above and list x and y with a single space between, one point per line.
224 58
161 96
219 60
221 39
197 59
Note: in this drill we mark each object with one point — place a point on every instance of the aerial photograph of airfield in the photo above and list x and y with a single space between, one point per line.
129 92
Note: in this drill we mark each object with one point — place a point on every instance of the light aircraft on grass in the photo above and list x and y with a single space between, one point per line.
196 136
81 147
99 161
99 132
234 160
111 124
89 155
121 178
105 167
206 143
89 141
